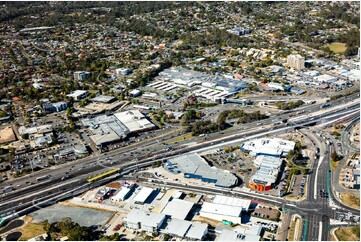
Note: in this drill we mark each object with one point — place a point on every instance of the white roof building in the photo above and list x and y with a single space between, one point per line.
143 220
232 201
273 147
38 129
134 120
78 94
178 208
221 212
121 195
177 227
325 78
241 234
143 195
103 99
197 231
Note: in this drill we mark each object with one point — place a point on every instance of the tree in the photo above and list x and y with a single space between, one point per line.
79 233
65 225
46 225
335 156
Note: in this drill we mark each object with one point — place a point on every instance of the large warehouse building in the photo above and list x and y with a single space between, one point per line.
194 166
220 212
225 208
173 208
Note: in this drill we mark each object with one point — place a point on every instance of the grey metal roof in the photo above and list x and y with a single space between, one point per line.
177 227
195 164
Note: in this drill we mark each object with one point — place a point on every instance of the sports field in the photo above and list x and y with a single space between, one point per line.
337 47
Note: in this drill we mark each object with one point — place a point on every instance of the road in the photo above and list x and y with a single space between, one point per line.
313 210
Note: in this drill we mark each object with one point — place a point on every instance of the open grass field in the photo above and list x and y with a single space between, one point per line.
351 200
348 234
337 47
31 230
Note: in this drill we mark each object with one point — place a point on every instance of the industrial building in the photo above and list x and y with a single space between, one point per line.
272 147
194 166
139 219
221 212
185 229
241 234
173 208
123 194
78 95
296 62
177 227
143 195
197 231
232 201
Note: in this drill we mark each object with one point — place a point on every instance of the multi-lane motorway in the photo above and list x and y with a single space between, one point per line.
70 179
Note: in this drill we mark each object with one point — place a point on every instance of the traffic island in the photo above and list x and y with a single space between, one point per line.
294 232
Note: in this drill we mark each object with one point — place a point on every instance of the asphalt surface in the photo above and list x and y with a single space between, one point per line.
30 198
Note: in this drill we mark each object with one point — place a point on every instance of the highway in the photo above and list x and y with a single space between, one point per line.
314 211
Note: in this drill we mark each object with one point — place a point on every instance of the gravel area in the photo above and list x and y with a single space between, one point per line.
82 216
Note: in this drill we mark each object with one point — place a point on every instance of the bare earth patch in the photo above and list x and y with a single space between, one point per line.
348 234
351 200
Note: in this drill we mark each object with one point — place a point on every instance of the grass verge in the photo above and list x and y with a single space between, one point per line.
350 200
31 230
348 234
180 138
334 165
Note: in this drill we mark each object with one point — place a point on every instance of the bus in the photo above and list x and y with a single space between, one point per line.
103 175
